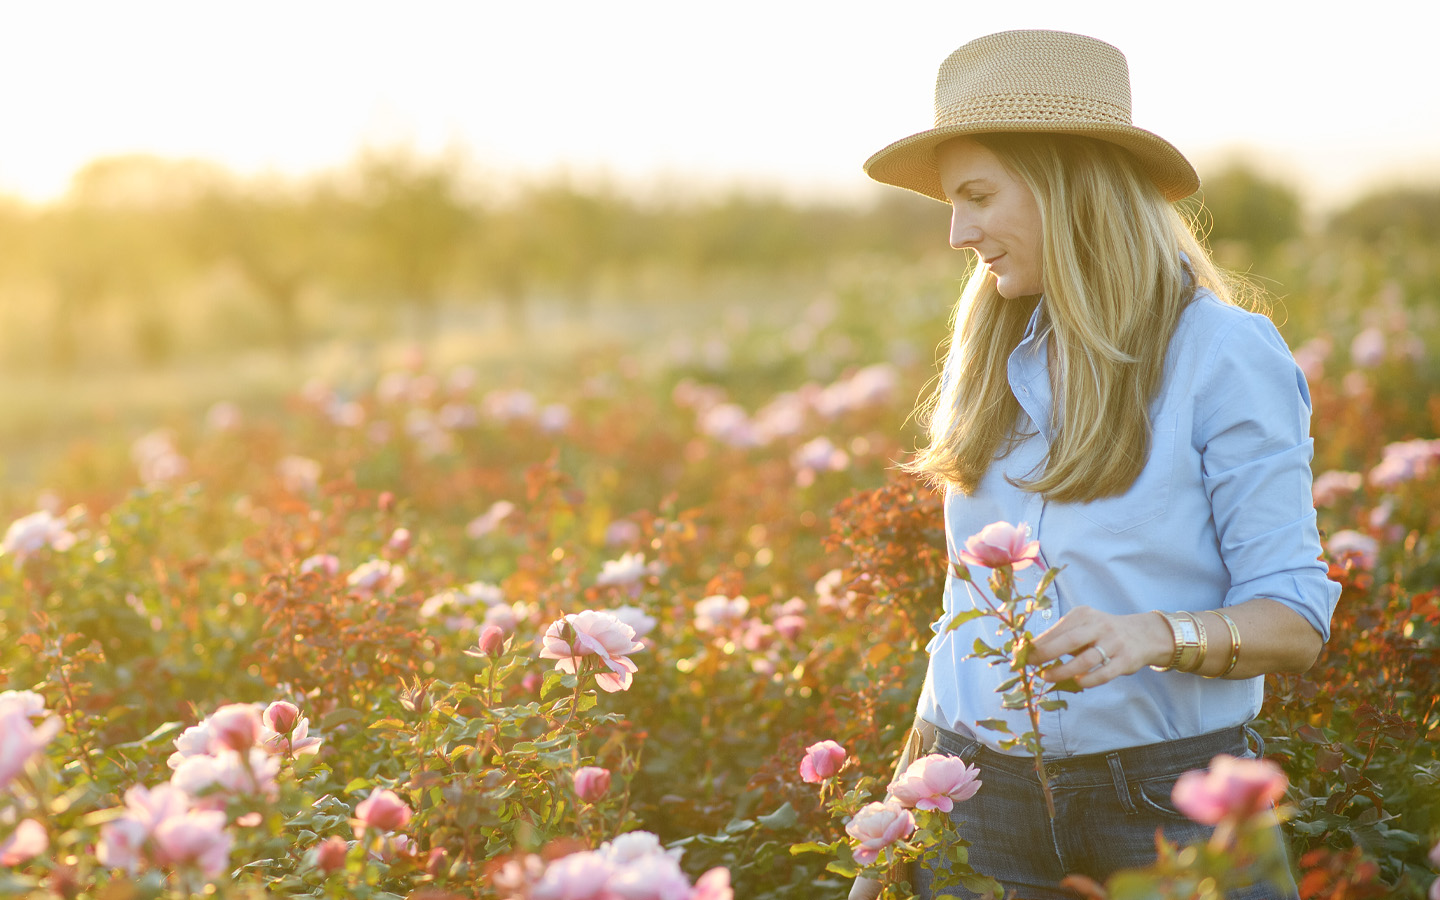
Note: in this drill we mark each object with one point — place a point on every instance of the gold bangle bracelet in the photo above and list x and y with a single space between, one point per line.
1234 643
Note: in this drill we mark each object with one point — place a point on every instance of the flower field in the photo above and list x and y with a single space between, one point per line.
649 629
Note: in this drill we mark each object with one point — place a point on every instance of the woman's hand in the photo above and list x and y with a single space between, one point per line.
864 889
1102 646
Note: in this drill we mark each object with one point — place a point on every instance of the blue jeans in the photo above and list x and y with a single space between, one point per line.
1107 808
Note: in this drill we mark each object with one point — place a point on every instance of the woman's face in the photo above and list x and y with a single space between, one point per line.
994 214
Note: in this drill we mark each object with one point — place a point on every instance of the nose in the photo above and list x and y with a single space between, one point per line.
963 231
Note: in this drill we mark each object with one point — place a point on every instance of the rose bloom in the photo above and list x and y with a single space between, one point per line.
719 613
376 576
1347 542
326 563
330 854
936 782
26 842
383 810
591 783
227 774
579 876
195 838
281 716
628 569
592 633
235 726
1331 486
1000 544
821 761
877 826
20 739
31 534
1232 788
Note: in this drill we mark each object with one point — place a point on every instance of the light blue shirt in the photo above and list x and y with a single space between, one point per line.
1222 513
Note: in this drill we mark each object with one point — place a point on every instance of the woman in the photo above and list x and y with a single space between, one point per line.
1103 388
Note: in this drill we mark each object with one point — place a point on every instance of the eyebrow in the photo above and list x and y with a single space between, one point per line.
960 188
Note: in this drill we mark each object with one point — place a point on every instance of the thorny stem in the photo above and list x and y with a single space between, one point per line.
72 713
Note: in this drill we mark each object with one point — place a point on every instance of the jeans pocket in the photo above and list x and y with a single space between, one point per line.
1153 795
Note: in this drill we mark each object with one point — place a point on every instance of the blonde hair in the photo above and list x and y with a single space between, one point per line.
1114 286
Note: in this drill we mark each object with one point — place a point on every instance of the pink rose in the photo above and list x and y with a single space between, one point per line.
652 877
591 633
1330 486
1001 544
196 838
877 826
26 842
1349 543
579 876
492 640
821 761
235 726
936 782
714 885
1233 788
1434 890
19 739
383 810
790 626
330 854
591 783
281 716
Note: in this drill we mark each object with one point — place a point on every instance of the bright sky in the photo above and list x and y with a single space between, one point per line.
795 94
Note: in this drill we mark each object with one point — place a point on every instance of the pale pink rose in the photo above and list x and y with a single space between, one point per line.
1404 461
714 885
488 521
628 569
877 826
1347 543
235 726
122 843
1367 350
1434 893
936 782
621 532
32 703
652 877
820 455
383 810
821 760
999 544
399 542
503 617
633 845
30 534
718 613
299 474
281 716
20 739
1333 485
642 622
731 425
591 783
378 576
324 563
593 633
330 854
553 417
226 773
197 838
26 842
1232 788
579 876
790 626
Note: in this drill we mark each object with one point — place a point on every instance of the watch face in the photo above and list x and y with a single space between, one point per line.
1188 632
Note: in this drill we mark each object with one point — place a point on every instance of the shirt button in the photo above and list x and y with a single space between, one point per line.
1047 614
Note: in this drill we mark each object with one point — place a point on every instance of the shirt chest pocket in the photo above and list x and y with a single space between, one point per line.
1148 497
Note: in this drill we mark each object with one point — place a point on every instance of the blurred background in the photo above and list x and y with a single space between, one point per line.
208 202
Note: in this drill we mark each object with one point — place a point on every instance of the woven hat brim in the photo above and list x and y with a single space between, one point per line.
910 162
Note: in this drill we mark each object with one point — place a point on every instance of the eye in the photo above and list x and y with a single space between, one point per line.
978 199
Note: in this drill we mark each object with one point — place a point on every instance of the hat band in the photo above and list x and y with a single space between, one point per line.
1031 108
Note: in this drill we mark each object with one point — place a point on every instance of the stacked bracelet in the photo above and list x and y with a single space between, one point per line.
1190 642
1234 643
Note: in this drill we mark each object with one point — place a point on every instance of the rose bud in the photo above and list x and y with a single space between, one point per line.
591 783
281 716
492 640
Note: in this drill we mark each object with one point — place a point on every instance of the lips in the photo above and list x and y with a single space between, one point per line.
992 260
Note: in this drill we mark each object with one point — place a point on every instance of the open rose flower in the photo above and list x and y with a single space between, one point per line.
821 760
195 838
383 810
877 826
1001 544
26 842
19 739
1232 788
571 639
936 782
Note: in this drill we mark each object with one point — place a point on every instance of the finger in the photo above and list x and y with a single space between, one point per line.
1086 661
1067 641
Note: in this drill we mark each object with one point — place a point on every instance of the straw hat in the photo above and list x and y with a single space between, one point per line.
1048 81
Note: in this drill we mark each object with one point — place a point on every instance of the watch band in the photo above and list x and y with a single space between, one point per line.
1188 635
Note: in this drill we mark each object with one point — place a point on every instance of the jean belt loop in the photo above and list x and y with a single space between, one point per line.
1117 774
1252 736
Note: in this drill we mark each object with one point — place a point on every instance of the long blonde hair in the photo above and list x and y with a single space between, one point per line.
1114 285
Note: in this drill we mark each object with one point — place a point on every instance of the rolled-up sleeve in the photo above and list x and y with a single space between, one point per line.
1253 428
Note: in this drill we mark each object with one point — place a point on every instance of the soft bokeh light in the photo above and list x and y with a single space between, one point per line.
794 95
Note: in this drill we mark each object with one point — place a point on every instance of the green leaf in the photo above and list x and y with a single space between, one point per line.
739 826
1068 686
339 717
994 725
982 650
1052 705
842 868
968 615
784 817
809 847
